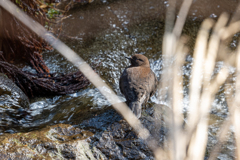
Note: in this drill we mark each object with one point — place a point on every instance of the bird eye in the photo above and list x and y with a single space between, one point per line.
140 60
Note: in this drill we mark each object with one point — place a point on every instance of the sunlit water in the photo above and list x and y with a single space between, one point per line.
107 53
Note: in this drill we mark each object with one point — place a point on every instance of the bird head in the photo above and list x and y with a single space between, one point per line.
139 60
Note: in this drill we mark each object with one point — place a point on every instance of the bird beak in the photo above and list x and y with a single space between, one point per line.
128 58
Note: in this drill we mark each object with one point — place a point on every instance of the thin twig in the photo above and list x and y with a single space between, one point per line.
177 100
236 109
196 80
198 142
222 134
1 22
177 30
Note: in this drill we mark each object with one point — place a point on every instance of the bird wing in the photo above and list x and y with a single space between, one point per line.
127 85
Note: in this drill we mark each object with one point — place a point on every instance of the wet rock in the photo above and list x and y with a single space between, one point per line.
8 87
103 136
13 103
61 141
117 140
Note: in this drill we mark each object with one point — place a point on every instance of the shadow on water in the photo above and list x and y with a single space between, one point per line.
103 34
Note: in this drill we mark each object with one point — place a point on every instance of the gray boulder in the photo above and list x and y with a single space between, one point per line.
13 103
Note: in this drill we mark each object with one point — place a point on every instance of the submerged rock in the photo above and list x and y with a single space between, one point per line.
13 103
8 87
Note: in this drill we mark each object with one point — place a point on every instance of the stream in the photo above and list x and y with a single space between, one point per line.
103 33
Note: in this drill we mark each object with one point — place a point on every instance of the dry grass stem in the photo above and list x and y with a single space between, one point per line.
213 46
235 121
168 47
222 137
159 112
196 80
236 108
177 30
177 115
236 15
1 22
199 139
170 16
229 31
198 143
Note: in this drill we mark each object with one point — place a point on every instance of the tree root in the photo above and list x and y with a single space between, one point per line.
44 84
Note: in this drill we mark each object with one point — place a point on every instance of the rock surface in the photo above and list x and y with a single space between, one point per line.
104 136
8 87
13 103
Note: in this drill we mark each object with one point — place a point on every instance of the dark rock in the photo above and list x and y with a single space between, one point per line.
8 87
104 136
116 139
13 104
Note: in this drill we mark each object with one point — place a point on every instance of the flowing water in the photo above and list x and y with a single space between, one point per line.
103 34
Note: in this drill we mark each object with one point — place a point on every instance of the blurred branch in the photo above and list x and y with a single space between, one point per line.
222 134
229 31
1 22
179 152
197 71
177 30
169 48
170 16
222 137
225 54
235 111
199 141
236 14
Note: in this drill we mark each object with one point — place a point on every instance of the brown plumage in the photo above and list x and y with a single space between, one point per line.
138 83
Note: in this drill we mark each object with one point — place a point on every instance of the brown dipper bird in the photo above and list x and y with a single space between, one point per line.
138 83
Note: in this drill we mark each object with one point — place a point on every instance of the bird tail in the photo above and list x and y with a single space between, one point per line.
136 107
